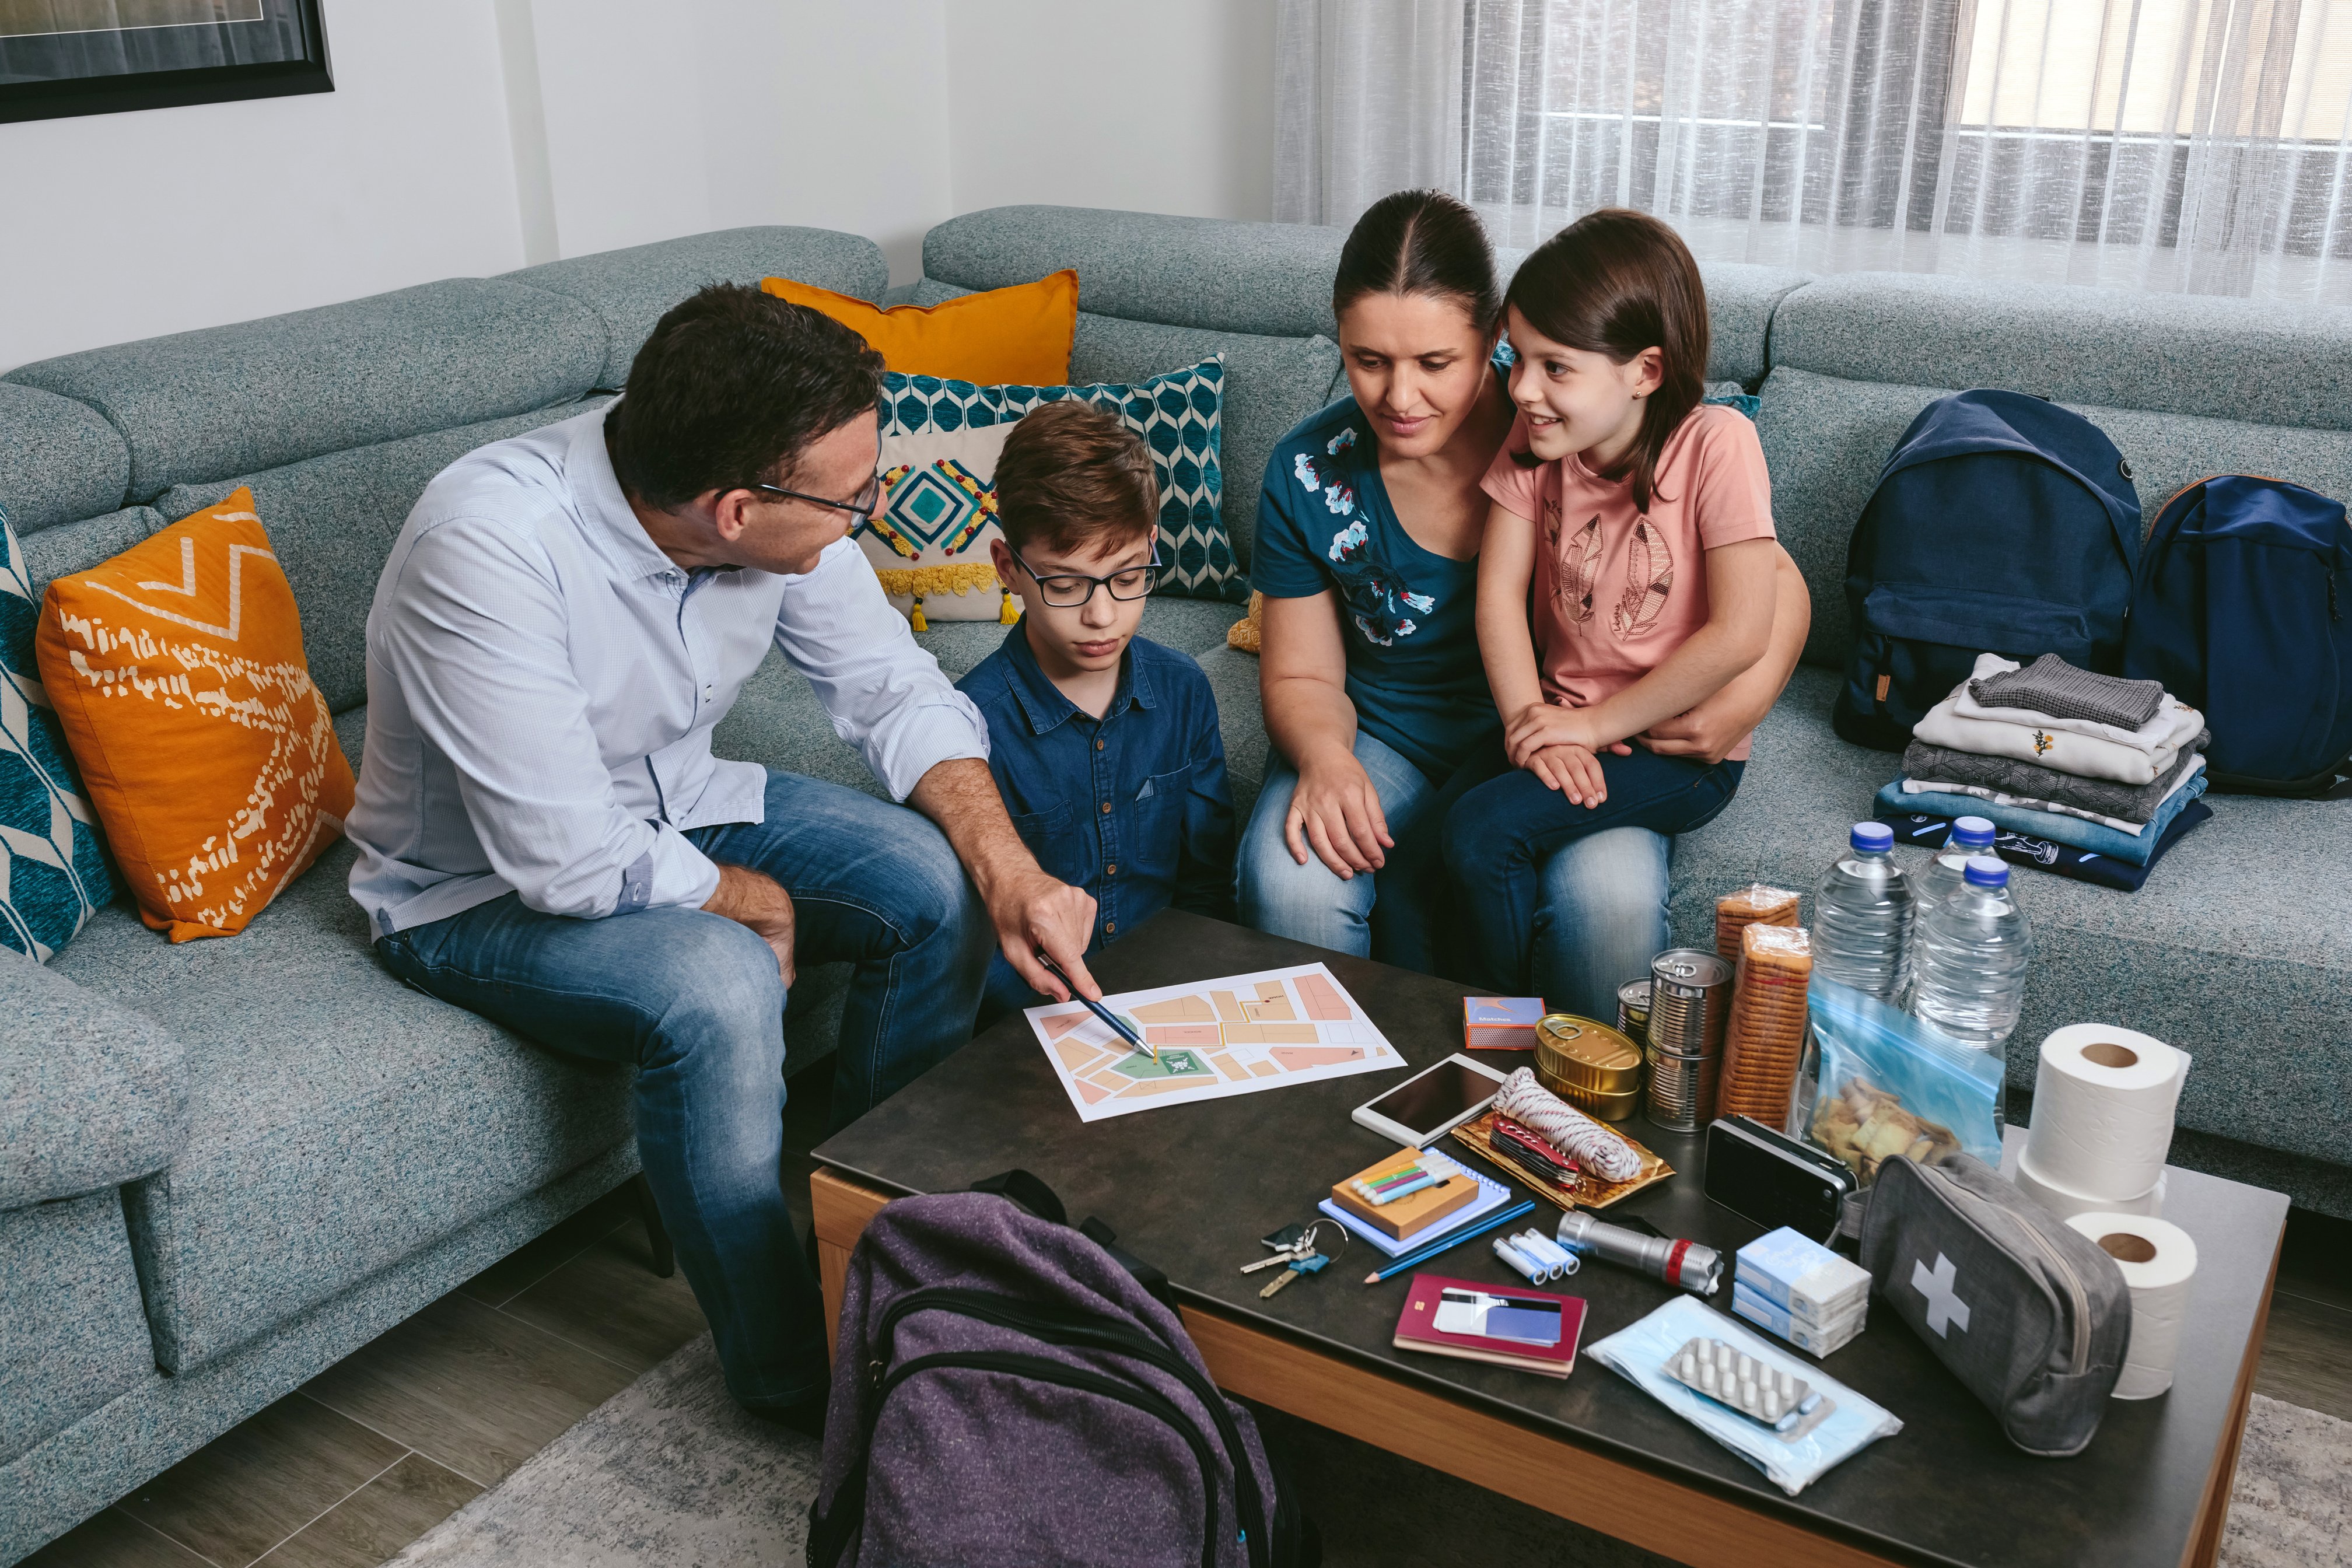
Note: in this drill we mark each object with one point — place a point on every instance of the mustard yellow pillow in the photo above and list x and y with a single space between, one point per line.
1020 334
176 671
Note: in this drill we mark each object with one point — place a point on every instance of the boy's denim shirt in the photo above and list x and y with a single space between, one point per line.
1133 806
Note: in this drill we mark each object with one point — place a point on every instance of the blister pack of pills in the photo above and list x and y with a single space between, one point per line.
1770 1396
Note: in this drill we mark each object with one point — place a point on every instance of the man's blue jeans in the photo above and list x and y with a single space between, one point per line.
694 1001
1601 916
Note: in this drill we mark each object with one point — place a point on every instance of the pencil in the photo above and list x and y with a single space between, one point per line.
1100 1011
1455 1238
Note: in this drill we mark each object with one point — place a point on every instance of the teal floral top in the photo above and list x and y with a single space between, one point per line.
1410 616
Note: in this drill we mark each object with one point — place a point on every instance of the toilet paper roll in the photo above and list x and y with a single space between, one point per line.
2103 1103
2065 1204
2158 1261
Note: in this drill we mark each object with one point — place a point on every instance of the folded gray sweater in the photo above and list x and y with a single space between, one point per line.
2050 685
2126 803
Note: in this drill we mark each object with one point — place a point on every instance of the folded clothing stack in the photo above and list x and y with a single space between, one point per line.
2099 764
1790 1285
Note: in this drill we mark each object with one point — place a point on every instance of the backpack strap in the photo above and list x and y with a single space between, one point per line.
1031 1194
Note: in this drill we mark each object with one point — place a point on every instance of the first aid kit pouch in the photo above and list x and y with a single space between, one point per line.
2029 1314
1640 1351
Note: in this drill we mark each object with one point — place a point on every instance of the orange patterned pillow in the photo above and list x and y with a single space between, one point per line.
177 671
1021 334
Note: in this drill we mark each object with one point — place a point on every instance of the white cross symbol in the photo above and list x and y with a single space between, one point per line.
1943 1304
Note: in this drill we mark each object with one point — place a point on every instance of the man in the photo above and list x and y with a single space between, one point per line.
545 837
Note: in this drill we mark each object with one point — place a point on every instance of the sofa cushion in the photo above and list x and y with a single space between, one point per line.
64 460
2236 360
1019 333
331 520
78 546
629 290
1265 278
1825 439
339 1122
2237 949
203 406
93 1094
72 1336
1271 384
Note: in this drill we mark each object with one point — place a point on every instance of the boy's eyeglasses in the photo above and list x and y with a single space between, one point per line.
864 504
1068 590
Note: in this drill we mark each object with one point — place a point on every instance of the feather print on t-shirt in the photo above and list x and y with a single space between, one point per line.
1580 571
1649 582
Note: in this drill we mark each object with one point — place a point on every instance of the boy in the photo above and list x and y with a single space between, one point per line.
1104 744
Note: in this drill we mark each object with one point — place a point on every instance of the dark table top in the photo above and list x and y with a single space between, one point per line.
1191 1188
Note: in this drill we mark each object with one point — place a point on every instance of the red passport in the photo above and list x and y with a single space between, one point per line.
1534 1331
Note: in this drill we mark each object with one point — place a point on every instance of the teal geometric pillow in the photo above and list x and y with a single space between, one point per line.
1179 416
52 870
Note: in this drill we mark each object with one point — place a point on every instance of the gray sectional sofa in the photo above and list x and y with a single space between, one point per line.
224 1165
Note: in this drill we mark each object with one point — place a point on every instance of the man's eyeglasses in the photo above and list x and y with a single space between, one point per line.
864 504
1068 590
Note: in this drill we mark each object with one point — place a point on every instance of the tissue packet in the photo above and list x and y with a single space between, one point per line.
1639 1353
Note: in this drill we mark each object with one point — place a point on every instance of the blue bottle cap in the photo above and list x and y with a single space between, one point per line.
1973 830
1984 871
1871 836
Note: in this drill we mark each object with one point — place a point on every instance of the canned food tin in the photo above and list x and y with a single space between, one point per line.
1690 1001
1634 1010
1590 1054
1682 1090
1599 1105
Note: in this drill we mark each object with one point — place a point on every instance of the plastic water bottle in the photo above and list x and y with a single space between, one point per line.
1948 873
1862 915
1972 952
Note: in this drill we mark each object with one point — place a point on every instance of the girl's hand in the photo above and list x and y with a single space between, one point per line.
1574 771
1336 809
1542 724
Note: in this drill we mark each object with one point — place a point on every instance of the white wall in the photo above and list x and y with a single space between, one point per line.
1165 107
474 136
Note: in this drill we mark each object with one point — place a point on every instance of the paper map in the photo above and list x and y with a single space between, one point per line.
1215 1037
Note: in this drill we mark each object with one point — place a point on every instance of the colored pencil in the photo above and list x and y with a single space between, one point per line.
1455 1238
1100 1011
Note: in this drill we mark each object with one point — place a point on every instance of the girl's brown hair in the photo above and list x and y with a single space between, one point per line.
1615 282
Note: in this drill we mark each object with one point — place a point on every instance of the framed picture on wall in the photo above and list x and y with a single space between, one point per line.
60 57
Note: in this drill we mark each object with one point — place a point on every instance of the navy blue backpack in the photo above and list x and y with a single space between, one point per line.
2244 587
2001 523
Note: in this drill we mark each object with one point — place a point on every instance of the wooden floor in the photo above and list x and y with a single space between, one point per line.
376 1450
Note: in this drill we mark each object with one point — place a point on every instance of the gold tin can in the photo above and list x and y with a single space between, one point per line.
1588 1055
1602 1107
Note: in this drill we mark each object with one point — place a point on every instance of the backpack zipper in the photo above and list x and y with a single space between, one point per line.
1054 1372
2079 1358
1073 1326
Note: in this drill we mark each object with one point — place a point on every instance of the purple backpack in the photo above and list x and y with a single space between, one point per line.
1010 1391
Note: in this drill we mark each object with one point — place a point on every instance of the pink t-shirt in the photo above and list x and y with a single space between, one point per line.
1616 591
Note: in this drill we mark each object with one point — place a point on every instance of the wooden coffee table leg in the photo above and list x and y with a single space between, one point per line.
1606 1495
2214 1513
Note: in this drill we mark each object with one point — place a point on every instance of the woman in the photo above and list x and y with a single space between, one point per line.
1367 551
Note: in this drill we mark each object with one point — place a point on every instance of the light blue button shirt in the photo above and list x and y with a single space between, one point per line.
543 682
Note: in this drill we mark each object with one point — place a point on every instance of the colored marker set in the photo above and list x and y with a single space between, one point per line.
1391 1185
1536 1256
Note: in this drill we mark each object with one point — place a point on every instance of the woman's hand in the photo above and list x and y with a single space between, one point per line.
1574 771
1540 724
1335 808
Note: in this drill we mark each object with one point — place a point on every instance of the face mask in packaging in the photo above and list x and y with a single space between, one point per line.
1883 1083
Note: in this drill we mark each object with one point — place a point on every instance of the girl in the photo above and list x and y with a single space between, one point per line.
1642 518
1375 698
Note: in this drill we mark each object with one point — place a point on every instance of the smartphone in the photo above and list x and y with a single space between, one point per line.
1433 1103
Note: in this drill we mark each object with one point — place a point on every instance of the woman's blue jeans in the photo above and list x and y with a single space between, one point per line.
1600 918
693 1002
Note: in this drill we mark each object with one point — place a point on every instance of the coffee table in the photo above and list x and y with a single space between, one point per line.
1191 1188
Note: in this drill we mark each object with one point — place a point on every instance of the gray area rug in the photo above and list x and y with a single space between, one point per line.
670 1474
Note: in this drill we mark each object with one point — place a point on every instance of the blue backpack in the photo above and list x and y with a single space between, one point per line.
2244 587
2001 523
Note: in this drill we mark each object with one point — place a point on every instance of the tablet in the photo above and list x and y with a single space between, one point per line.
1433 1103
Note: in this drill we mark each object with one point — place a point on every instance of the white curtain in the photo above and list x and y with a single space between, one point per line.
2197 145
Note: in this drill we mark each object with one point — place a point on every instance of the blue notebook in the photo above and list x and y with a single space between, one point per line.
1491 1196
